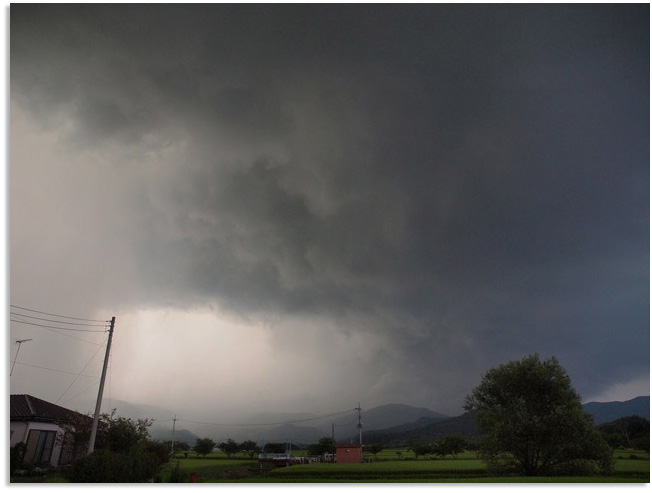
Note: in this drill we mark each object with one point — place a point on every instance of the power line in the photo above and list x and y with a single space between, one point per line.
55 315
73 337
268 424
65 335
78 375
52 327
348 423
59 371
79 393
56 321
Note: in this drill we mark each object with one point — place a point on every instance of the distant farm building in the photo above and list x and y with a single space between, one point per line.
348 453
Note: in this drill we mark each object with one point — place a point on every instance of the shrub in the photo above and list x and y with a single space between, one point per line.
16 455
577 467
102 466
178 475
105 466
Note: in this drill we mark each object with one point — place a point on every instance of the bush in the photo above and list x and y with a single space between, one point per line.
578 467
16 455
102 466
178 475
105 466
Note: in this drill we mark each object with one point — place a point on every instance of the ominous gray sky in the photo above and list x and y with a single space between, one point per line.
302 207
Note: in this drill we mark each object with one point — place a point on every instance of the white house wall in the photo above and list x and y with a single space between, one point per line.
20 431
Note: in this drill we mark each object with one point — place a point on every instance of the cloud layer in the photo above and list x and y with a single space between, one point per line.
408 194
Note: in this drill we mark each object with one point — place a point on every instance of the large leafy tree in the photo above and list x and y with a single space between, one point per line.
532 422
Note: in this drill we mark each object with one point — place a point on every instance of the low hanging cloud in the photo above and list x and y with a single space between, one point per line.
410 194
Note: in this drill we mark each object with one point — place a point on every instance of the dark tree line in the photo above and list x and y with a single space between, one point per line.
450 445
230 447
630 432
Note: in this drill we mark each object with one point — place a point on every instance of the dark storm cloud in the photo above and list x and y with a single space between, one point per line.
474 179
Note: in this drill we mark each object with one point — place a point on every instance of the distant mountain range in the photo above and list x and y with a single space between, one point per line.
605 412
464 425
391 415
180 435
391 423
375 418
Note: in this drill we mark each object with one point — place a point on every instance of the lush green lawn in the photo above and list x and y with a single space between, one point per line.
210 468
466 468
632 463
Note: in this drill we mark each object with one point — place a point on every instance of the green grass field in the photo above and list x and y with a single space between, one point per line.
631 467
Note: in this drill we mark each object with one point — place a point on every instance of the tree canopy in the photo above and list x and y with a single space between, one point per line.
204 446
230 447
249 447
124 452
325 445
532 422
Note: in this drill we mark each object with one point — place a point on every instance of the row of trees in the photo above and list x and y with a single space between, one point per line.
249 448
450 445
629 432
204 446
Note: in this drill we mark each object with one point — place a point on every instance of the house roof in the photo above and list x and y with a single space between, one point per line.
348 445
25 407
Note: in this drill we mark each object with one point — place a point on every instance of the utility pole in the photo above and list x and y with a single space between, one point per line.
98 405
174 422
19 342
359 409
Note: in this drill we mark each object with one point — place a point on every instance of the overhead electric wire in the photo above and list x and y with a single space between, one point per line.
56 330
79 393
103 344
348 423
267 424
52 327
55 315
77 377
52 369
57 321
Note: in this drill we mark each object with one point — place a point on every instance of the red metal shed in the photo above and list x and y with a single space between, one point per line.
348 453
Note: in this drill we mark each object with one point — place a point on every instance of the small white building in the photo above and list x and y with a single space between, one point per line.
36 423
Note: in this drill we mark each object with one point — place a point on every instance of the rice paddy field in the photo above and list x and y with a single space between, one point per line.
631 467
